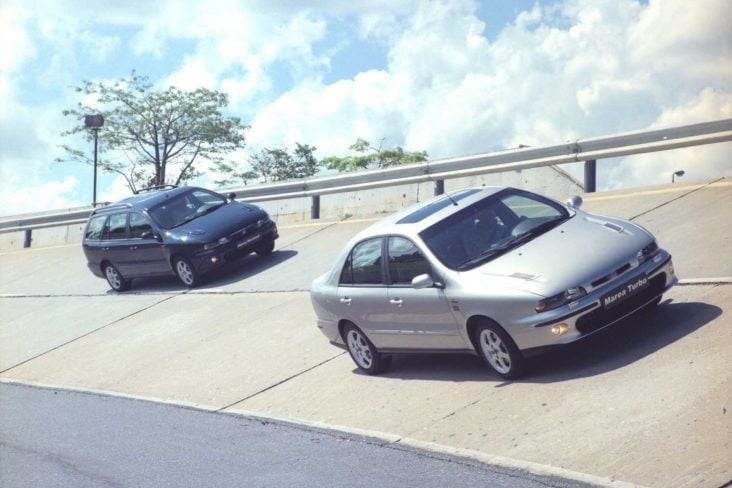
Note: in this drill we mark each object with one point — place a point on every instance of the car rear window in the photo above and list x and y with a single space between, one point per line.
94 229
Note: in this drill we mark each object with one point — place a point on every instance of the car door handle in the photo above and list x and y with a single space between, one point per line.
132 248
396 301
105 249
346 300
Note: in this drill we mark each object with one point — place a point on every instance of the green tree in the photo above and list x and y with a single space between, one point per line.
368 156
154 137
276 164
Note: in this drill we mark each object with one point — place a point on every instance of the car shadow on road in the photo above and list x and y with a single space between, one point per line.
232 272
618 346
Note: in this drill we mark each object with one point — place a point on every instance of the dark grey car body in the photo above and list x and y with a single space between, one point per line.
184 231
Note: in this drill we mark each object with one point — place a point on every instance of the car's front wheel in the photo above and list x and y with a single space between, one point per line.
265 249
363 352
115 278
497 349
185 272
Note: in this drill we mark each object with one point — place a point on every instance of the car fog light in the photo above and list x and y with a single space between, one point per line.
214 259
559 329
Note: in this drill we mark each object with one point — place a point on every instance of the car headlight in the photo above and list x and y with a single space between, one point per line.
213 245
560 299
648 252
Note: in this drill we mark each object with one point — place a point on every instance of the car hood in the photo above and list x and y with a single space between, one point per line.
220 223
575 253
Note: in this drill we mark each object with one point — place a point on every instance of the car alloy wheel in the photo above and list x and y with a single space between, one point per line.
363 352
498 350
185 272
114 278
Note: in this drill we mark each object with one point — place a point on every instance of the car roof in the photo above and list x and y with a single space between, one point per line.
144 200
413 220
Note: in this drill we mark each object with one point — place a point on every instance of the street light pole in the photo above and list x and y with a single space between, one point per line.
94 123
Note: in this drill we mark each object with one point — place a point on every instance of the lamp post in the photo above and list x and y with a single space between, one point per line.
678 173
94 123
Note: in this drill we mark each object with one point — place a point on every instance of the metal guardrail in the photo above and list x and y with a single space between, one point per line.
587 150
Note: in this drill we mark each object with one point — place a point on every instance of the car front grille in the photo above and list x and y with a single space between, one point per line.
601 317
242 232
612 275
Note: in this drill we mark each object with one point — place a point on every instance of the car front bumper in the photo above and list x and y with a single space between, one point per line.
209 260
599 309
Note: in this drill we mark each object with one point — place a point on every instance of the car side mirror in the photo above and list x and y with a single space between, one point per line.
231 196
574 202
150 235
425 281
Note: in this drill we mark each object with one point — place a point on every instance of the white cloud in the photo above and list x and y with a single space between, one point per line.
575 69
587 69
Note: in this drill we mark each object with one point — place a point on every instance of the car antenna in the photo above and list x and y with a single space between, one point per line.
454 202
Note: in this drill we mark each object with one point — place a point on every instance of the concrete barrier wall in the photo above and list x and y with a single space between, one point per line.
550 181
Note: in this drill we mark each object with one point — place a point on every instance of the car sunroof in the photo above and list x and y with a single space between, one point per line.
436 206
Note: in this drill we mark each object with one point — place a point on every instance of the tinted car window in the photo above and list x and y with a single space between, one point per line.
405 261
139 225
94 229
363 266
186 207
530 208
491 226
116 227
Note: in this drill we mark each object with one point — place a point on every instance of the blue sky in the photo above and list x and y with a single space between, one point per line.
449 77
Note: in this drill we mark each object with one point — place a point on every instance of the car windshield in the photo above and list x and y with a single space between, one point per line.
186 207
491 227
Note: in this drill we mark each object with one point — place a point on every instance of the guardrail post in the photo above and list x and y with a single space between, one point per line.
315 207
28 238
590 175
439 187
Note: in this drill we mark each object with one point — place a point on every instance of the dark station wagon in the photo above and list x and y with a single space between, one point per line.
181 231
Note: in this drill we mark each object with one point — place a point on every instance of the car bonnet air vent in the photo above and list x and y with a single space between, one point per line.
614 227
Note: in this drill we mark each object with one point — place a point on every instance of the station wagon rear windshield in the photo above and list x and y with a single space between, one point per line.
492 226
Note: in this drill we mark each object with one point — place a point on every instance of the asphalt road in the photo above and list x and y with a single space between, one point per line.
57 438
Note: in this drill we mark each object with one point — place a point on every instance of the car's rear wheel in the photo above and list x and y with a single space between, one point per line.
265 249
115 278
498 350
185 271
363 352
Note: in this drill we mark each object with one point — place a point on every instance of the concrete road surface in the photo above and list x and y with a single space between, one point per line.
647 402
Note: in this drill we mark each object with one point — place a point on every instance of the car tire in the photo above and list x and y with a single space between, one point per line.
363 352
498 350
265 249
115 278
185 272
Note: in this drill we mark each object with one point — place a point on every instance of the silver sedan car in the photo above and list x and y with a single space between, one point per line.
498 272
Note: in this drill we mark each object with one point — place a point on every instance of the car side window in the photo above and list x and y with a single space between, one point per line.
116 227
363 266
139 225
405 261
94 229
